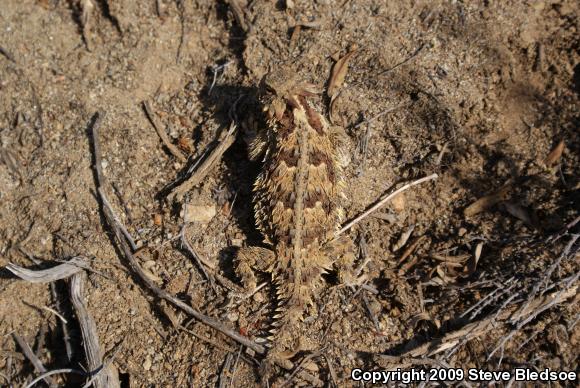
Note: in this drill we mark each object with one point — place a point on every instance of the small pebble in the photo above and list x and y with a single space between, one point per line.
232 316
198 213
147 364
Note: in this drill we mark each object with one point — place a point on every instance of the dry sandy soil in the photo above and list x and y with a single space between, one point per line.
479 92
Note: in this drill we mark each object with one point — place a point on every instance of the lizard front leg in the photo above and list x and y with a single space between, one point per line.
251 259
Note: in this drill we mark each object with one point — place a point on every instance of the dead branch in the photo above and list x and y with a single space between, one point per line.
170 298
381 114
62 271
564 230
226 372
128 253
478 328
93 351
63 325
199 259
215 69
87 7
124 230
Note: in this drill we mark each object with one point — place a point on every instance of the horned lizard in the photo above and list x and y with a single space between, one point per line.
297 209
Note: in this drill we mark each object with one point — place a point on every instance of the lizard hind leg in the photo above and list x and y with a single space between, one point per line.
343 253
251 259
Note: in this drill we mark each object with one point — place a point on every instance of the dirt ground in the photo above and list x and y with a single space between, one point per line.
479 92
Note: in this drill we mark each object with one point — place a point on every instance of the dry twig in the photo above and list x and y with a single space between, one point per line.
381 202
7 54
162 134
54 372
126 249
478 328
32 358
225 140
403 62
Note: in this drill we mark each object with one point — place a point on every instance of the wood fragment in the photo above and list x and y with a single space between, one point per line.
56 313
62 271
459 259
32 358
93 352
175 151
235 367
410 249
487 201
205 165
403 238
294 37
183 35
225 374
331 371
526 215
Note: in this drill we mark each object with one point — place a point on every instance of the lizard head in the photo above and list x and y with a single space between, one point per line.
279 89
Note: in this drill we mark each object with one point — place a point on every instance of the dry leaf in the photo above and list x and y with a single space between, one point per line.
520 212
555 155
472 263
451 259
331 109
294 36
454 267
487 201
403 239
339 71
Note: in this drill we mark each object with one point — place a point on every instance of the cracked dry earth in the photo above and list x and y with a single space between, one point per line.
479 92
